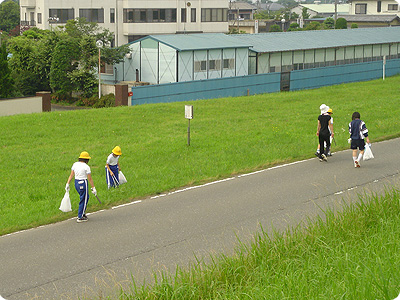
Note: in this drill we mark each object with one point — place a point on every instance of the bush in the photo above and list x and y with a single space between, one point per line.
341 23
354 25
105 101
62 97
95 102
275 28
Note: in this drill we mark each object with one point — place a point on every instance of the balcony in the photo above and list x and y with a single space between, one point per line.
28 3
28 23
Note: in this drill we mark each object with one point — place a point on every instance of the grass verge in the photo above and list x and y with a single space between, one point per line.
352 254
228 136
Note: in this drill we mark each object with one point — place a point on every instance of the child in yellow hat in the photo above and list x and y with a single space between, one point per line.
113 168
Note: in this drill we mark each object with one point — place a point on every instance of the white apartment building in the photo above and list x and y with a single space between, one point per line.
374 7
131 19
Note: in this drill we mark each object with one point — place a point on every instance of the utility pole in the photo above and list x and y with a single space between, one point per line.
335 11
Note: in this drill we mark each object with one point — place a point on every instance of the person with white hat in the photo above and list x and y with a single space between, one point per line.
112 167
324 131
82 173
328 150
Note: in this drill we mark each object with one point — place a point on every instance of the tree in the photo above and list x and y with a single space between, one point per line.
31 60
294 27
66 54
329 23
275 28
9 15
6 81
314 25
304 13
341 23
63 60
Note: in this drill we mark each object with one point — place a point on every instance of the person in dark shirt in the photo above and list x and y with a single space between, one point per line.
324 131
358 132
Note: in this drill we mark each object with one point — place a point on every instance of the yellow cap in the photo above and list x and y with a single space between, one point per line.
117 150
84 155
330 111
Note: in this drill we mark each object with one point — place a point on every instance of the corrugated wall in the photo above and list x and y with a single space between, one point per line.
262 83
207 89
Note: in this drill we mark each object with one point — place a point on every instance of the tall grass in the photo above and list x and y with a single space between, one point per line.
354 254
228 136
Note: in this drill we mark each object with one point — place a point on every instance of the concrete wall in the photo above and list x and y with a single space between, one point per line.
26 105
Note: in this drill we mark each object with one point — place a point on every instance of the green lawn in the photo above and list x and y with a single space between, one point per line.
228 136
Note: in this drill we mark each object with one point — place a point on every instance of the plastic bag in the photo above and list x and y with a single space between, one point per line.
66 203
368 153
121 178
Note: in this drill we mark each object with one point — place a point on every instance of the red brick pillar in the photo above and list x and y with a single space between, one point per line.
46 100
121 94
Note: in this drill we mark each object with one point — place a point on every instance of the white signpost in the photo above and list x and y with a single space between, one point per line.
189 116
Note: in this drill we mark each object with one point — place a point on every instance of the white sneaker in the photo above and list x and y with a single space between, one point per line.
356 164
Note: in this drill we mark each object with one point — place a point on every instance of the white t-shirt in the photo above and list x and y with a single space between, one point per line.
112 160
81 170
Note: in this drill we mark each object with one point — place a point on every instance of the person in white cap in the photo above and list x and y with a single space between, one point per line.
328 150
324 131
82 173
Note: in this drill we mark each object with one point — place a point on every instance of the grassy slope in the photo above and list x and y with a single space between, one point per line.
354 254
228 136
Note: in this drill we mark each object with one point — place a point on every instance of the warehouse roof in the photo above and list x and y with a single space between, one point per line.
199 41
317 39
370 18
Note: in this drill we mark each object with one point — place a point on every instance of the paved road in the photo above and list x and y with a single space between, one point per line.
67 260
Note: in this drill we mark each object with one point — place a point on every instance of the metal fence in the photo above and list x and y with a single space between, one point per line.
263 83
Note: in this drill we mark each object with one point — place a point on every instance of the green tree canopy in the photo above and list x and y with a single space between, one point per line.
304 13
329 23
314 25
6 81
275 28
341 23
294 27
63 60
9 15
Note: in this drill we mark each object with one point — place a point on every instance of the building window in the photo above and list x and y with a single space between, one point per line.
200 66
112 15
361 9
132 38
379 6
193 15
92 14
393 7
214 15
107 69
214 64
133 15
39 18
229 63
63 15
183 15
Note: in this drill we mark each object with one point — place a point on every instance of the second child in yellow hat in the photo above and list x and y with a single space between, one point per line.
113 168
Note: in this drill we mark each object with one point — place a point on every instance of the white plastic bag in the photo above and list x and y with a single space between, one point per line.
121 178
368 153
66 203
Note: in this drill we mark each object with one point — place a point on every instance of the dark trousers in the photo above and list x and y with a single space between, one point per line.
327 139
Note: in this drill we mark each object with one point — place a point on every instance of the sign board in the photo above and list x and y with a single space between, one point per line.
256 26
189 112
130 94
